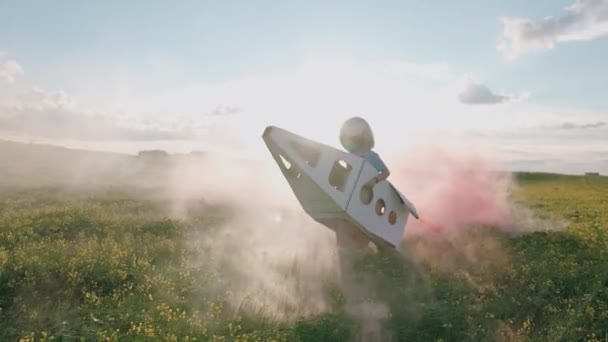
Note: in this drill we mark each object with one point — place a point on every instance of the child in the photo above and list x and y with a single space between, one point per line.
356 136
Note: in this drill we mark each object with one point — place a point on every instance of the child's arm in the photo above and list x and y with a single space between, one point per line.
384 172
382 175
378 178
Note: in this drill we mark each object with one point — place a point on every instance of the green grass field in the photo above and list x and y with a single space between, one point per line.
111 264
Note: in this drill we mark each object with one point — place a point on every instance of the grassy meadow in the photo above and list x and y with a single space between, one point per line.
111 263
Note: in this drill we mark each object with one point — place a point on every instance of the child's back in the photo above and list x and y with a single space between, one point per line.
374 159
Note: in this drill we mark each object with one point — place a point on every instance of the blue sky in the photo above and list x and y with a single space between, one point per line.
163 69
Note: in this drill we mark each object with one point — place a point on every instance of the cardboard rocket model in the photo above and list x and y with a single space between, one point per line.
330 186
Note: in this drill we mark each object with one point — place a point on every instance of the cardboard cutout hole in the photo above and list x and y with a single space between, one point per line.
286 163
339 174
366 195
290 168
392 217
380 206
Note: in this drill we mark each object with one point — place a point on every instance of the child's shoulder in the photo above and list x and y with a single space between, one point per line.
373 154
375 160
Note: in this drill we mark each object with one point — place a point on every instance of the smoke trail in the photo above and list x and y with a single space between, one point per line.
455 190
466 206
277 260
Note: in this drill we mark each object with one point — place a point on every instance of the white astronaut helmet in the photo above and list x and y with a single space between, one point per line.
356 135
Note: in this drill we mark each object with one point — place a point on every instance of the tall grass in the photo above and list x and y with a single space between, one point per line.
113 265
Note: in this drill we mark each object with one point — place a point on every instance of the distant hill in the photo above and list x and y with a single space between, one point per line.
47 165
26 164
36 164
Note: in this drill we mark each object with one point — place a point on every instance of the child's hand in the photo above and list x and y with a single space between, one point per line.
371 183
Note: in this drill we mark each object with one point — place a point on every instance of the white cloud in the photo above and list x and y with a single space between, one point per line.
38 99
475 93
587 125
9 70
55 115
225 110
584 20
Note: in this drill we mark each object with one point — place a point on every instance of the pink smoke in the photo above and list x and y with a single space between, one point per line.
453 190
